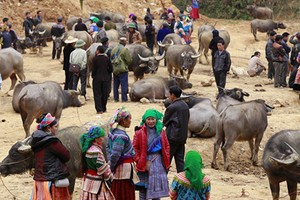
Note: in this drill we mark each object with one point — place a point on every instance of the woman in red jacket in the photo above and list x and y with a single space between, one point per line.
152 156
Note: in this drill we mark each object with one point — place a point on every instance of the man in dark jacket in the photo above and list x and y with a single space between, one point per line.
213 43
70 41
80 26
102 70
278 58
150 34
176 120
57 30
28 24
6 38
286 57
269 55
221 65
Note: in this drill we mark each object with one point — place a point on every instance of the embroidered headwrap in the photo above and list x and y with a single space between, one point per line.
193 169
157 115
119 114
46 121
86 139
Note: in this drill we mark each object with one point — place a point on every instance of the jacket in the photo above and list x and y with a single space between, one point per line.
278 52
176 120
50 156
121 59
57 30
134 37
140 147
67 52
221 62
78 56
102 68
269 53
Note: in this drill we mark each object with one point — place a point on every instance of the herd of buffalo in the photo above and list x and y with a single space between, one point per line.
233 118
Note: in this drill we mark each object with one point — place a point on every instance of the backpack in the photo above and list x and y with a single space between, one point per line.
294 54
117 62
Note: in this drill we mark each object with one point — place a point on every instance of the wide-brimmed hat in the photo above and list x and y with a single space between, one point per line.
79 43
131 25
70 40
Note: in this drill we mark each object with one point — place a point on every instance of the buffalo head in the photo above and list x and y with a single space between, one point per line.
180 81
281 25
290 158
188 59
250 8
164 45
19 158
151 62
58 41
37 37
72 98
236 93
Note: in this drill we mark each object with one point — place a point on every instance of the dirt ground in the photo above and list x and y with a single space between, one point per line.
225 185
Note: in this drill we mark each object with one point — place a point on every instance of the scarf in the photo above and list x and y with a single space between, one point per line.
157 115
119 114
193 169
47 120
86 139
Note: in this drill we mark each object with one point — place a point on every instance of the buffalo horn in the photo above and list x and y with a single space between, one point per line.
183 53
245 93
195 56
42 32
294 151
25 147
174 76
53 37
161 56
171 42
289 161
30 32
238 92
161 44
144 59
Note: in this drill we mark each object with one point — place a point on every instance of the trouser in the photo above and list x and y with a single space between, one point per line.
123 80
68 80
278 67
220 78
284 73
271 70
100 90
54 52
82 76
177 151
150 46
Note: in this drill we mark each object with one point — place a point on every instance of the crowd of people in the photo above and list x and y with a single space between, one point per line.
140 164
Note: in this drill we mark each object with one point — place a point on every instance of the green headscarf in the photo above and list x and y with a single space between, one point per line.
193 169
157 115
86 139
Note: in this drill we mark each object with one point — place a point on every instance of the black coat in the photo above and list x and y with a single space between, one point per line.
176 120
81 27
102 68
67 52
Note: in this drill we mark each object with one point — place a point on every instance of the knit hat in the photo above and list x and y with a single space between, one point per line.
86 139
157 115
193 169
131 25
79 43
46 121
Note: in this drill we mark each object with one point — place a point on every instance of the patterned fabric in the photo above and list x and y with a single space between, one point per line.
119 147
157 115
181 188
93 186
45 190
123 189
86 139
155 181
119 114
48 119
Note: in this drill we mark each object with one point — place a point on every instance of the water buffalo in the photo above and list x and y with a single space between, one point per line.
11 65
281 161
112 35
260 12
47 97
80 35
115 17
72 20
17 90
154 88
170 39
19 161
181 57
45 26
206 27
37 40
264 26
203 117
252 123
204 39
143 60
